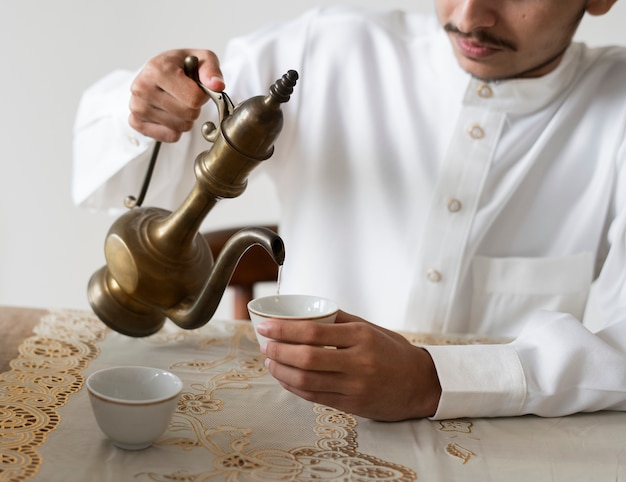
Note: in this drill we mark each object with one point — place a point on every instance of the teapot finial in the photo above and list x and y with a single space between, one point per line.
282 89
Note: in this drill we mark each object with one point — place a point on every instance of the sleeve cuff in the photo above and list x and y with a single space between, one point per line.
478 381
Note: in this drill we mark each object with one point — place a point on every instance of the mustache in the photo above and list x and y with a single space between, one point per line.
482 37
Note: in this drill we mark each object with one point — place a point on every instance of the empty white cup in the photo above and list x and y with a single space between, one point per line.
291 307
133 405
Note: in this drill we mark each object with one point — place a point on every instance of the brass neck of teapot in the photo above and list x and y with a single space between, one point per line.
158 265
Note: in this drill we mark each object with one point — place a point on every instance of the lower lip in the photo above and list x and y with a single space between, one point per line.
474 51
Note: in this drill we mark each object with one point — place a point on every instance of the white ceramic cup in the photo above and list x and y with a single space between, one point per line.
133 405
291 308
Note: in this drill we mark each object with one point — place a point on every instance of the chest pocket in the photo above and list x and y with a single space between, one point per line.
507 290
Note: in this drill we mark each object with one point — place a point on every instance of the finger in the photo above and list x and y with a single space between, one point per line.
306 380
341 335
166 73
331 389
169 76
345 334
162 108
209 70
304 357
177 82
163 83
343 317
338 401
157 132
159 127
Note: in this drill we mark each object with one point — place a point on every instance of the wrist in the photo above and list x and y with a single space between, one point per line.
427 393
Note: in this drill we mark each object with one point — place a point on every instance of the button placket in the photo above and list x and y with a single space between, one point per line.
447 231
476 130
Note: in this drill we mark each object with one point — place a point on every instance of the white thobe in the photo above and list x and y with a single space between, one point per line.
425 200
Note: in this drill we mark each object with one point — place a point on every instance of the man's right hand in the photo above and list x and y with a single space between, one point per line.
165 102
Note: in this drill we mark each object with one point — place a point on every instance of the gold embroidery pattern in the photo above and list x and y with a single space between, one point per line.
335 455
463 427
451 339
47 371
456 450
460 426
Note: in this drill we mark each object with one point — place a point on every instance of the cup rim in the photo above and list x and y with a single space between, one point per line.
178 384
293 317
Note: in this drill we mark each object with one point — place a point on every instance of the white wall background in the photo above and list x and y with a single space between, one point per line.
50 52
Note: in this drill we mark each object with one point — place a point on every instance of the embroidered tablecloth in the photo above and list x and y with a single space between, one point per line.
235 423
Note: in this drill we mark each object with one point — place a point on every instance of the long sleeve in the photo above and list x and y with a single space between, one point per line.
555 367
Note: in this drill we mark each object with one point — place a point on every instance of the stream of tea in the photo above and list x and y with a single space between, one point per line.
280 272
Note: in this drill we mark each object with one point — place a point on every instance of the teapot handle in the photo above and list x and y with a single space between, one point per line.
224 105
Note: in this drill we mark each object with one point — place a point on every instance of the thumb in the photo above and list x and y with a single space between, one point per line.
209 71
343 317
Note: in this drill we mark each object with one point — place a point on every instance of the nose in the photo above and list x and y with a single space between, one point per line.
472 15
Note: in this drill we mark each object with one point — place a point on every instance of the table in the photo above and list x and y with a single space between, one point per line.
235 423
15 325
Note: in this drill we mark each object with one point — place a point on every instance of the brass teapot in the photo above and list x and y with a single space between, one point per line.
158 265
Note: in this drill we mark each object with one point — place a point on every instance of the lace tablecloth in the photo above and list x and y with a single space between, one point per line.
235 423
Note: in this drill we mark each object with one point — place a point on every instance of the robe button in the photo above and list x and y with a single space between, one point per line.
476 132
433 275
454 205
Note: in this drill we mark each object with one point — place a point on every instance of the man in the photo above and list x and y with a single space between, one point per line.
464 179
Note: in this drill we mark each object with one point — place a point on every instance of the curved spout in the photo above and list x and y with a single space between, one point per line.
191 314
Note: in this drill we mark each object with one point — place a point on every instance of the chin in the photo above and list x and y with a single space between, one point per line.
489 78
483 73
486 75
